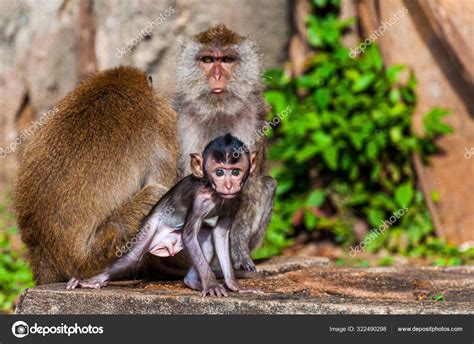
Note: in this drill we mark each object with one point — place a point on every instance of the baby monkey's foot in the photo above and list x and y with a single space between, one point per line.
93 283
214 289
192 283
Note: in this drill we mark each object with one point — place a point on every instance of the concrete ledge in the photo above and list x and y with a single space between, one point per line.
303 287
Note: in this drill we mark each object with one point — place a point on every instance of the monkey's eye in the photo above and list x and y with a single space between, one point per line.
228 59
206 59
235 172
219 173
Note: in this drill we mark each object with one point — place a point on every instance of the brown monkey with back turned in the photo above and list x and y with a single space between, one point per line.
219 90
93 172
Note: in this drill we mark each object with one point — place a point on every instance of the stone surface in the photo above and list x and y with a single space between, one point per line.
292 286
278 265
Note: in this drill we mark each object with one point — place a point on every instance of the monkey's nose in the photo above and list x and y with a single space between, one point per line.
228 186
217 74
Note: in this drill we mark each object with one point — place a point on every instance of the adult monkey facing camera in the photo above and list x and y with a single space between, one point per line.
93 172
219 90
213 189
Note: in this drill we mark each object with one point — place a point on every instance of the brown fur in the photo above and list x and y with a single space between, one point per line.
218 35
91 174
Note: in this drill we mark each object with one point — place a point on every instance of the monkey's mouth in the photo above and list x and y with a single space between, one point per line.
217 90
227 196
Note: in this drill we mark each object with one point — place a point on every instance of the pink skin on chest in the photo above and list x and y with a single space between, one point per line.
167 242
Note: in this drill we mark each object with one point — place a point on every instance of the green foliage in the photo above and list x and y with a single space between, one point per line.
344 152
15 274
438 297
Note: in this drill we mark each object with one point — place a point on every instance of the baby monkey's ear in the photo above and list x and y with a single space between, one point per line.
253 162
196 165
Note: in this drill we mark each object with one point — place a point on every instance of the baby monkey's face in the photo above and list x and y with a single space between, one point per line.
227 179
225 166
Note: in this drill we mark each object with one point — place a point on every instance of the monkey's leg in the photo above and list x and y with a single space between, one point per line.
252 221
162 241
205 239
112 237
221 238
266 210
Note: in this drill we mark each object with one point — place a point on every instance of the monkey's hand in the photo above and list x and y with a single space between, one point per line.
95 282
243 262
236 287
214 289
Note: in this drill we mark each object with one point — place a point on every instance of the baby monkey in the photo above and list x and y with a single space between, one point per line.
177 221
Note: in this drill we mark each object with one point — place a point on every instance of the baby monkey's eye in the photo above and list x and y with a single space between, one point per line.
219 173
235 172
228 59
206 59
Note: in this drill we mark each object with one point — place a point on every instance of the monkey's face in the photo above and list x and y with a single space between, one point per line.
225 165
218 67
227 179
217 75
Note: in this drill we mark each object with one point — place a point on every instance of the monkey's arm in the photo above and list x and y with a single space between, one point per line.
221 238
191 229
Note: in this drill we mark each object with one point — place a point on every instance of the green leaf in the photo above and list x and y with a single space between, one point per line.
309 220
395 134
306 153
404 194
364 82
435 196
322 139
376 217
433 125
393 72
376 58
372 150
277 100
322 96
315 36
320 3
330 156
315 198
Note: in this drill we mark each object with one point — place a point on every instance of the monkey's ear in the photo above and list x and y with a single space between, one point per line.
150 81
253 162
196 165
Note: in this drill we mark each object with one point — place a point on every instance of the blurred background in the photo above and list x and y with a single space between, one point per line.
374 150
